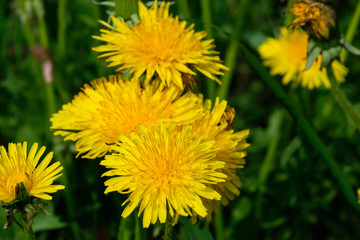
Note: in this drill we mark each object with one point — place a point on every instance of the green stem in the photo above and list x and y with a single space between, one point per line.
3 39
351 31
270 159
303 123
168 228
184 9
232 51
61 40
206 18
40 12
342 100
29 233
219 224
125 8
64 180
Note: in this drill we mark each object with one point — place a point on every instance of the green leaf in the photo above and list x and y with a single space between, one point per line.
193 231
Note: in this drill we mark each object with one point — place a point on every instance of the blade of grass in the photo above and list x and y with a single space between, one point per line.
232 51
124 8
351 31
303 123
184 9
206 18
61 38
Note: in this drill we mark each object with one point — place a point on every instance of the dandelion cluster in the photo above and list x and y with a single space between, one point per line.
287 55
170 150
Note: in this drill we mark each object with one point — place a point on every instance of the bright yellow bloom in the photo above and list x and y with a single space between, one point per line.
287 55
102 112
217 125
358 192
16 167
315 17
159 43
164 168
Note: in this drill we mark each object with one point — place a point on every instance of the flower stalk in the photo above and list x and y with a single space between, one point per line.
168 228
342 100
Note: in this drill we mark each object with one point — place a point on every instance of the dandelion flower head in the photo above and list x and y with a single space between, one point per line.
104 110
159 43
287 55
165 169
316 18
17 166
217 124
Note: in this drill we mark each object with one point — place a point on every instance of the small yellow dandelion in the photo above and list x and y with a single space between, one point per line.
159 43
37 176
217 124
316 18
287 55
104 110
166 169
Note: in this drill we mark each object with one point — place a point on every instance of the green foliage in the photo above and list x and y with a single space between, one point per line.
288 190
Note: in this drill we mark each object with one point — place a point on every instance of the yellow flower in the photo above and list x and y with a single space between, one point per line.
102 112
16 167
166 169
217 124
358 192
287 55
159 43
316 18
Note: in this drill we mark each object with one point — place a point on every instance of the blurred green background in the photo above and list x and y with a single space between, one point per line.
288 190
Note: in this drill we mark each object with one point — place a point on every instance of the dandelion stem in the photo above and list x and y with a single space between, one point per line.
309 132
342 100
219 224
232 51
29 233
206 18
168 228
352 29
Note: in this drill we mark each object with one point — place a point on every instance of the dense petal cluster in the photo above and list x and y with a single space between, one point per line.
159 43
17 166
217 124
166 169
104 110
287 55
314 17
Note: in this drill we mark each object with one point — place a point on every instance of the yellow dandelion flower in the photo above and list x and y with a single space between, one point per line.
314 17
166 169
16 167
287 55
159 43
217 124
104 110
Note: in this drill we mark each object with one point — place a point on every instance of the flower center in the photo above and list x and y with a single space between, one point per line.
17 178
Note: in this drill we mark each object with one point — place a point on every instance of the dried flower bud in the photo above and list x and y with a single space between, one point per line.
314 17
